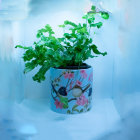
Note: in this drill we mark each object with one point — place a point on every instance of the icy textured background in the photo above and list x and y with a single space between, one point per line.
24 107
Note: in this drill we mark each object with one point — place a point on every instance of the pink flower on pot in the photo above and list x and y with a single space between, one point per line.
82 100
71 84
71 75
79 83
58 104
83 74
90 77
68 75
83 71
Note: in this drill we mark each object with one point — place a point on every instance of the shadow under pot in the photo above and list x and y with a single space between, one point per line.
71 89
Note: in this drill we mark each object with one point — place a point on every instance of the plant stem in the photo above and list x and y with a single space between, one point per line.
53 96
67 83
71 99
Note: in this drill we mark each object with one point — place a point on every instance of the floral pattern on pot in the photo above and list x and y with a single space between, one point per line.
71 90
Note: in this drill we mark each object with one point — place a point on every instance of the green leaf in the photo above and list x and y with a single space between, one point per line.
38 35
96 51
43 30
30 66
28 55
92 56
93 8
85 17
98 25
70 23
64 100
88 53
67 35
50 52
19 46
57 64
104 15
40 76
78 58
61 39
62 26
68 112
76 110
47 29
74 107
91 20
81 110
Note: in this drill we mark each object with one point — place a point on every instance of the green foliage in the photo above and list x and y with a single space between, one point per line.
72 49
104 15
74 108
93 8
64 100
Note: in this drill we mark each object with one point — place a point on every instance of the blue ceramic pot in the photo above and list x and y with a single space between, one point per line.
71 90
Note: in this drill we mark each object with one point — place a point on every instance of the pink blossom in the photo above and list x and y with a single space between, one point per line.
83 71
82 100
69 75
79 83
90 77
71 84
66 75
83 74
58 104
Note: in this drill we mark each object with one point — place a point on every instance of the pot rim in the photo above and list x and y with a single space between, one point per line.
84 66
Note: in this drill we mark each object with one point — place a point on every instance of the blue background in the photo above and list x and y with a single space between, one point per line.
116 76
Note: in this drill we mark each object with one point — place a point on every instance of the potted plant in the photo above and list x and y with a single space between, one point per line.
71 78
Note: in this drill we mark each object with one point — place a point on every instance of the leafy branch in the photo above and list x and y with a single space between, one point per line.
72 49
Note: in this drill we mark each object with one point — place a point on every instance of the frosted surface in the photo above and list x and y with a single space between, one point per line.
33 119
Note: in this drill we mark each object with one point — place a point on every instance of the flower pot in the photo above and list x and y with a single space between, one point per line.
71 89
